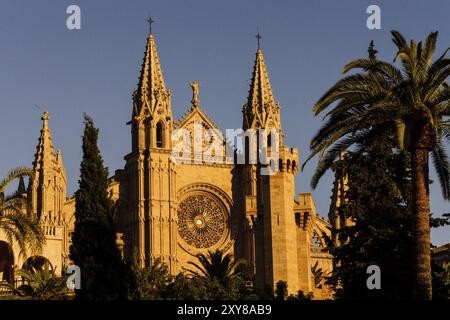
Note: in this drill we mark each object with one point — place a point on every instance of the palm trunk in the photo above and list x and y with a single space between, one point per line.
421 213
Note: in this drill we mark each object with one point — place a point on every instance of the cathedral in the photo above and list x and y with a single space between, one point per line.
175 210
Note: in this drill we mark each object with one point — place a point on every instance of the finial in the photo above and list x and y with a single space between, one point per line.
194 85
258 37
372 51
45 117
150 22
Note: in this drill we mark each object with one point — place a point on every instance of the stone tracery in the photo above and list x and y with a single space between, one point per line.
201 220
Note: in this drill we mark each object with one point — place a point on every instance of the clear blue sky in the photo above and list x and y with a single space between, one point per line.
94 70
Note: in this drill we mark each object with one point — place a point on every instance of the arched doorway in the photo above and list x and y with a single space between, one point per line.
6 263
36 263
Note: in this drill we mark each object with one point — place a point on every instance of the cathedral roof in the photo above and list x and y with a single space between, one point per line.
196 114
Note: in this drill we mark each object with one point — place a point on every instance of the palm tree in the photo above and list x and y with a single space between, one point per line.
414 103
40 284
217 265
15 224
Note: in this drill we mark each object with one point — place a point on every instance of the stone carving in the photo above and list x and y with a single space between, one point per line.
201 220
195 86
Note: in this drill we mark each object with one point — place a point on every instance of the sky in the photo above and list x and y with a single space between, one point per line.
45 66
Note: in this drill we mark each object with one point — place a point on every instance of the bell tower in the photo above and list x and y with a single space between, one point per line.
48 195
150 222
270 229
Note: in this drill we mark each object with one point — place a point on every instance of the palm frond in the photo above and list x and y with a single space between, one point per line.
442 167
14 174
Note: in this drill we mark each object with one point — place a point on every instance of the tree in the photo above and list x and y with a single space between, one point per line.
281 290
222 273
415 101
187 288
94 250
16 220
318 275
377 203
217 265
40 285
441 281
151 282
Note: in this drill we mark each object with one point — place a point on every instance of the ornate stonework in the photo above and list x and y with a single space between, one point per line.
202 221
174 211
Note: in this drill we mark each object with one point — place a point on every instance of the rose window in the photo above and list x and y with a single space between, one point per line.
201 220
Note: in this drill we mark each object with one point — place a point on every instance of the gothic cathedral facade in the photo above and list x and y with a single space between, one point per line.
173 211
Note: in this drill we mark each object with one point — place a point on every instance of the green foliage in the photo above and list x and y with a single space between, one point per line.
414 103
40 285
383 98
281 293
281 290
217 265
222 276
18 226
377 205
318 275
216 278
441 281
103 273
151 282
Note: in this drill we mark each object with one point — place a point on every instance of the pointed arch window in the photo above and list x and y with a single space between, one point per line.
159 135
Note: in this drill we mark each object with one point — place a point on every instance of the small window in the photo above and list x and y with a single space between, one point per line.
269 140
159 135
298 221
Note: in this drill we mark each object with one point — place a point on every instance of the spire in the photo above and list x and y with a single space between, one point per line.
45 152
261 109
21 188
59 158
151 81
48 184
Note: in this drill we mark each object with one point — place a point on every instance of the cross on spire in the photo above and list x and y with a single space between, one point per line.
150 22
258 37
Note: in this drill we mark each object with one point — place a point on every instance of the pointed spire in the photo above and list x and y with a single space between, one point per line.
151 80
45 151
261 105
21 188
59 158
260 89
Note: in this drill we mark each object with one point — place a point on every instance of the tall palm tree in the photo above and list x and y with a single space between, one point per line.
413 102
19 226
217 265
